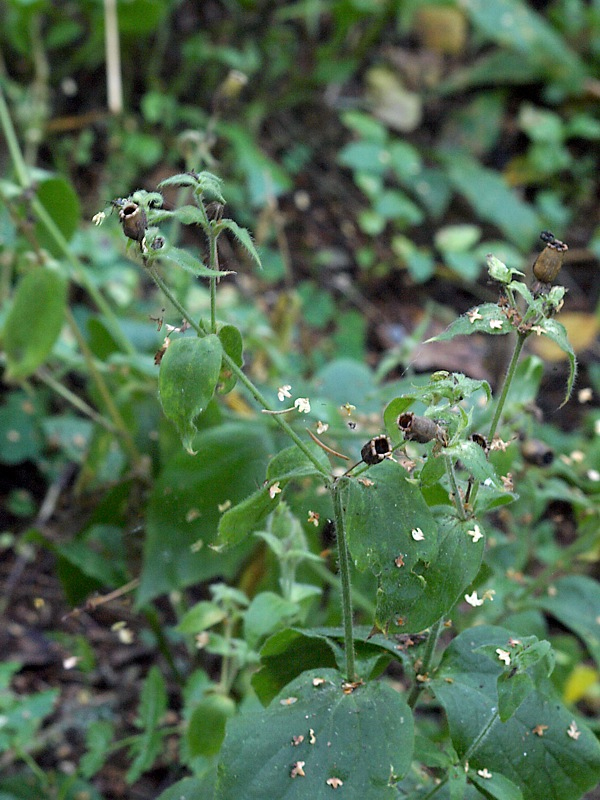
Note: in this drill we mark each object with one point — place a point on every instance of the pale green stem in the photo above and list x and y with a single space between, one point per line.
455 491
213 263
428 656
239 374
510 374
344 565
76 401
46 220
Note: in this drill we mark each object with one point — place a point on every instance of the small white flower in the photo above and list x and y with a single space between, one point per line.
99 218
322 427
475 534
573 731
484 773
473 315
503 655
473 600
283 392
593 475
274 490
417 534
496 324
538 330
302 404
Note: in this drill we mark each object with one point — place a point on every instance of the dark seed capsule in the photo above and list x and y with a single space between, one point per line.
537 452
548 263
376 449
481 441
134 221
420 429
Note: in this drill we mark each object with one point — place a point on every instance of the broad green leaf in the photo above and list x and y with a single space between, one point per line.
233 345
496 785
190 215
493 200
237 523
34 322
474 460
557 333
292 463
244 238
288 653
62 204
512 690
201 616
517 27
188 377
206 726
363 738
486 318
191 788
267 612
419 579
536 736
20 437
244 518
575 602
184 506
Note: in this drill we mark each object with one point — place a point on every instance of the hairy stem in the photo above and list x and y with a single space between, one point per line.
344 565
508 379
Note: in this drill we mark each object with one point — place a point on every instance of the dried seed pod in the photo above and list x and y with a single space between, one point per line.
548 263
134 221
479 439
534 451
421 429
376 449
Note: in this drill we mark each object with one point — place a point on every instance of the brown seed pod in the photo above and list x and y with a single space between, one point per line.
134 221
421 429
479 439
548 263
376 449
536 452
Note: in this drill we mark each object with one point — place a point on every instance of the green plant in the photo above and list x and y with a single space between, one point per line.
413 511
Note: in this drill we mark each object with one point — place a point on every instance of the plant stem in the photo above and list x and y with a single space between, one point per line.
54 231
76 401
344 563
239 373
454 486
213 263
432 640
107 397
508 378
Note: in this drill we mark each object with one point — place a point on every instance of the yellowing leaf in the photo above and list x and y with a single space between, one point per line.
582 678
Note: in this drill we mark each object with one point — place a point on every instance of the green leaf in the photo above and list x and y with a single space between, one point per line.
237 523
365 157
183 510
98 739
382 523
267 612
477 320
206 727
20 437
493 200
291 463
557 333
190 263
474 460
575 602
232 343
363 738
153 704
34 322
188 377
288 653
497 786
62 204
191 788
244 238
201 616
466 685
512 690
